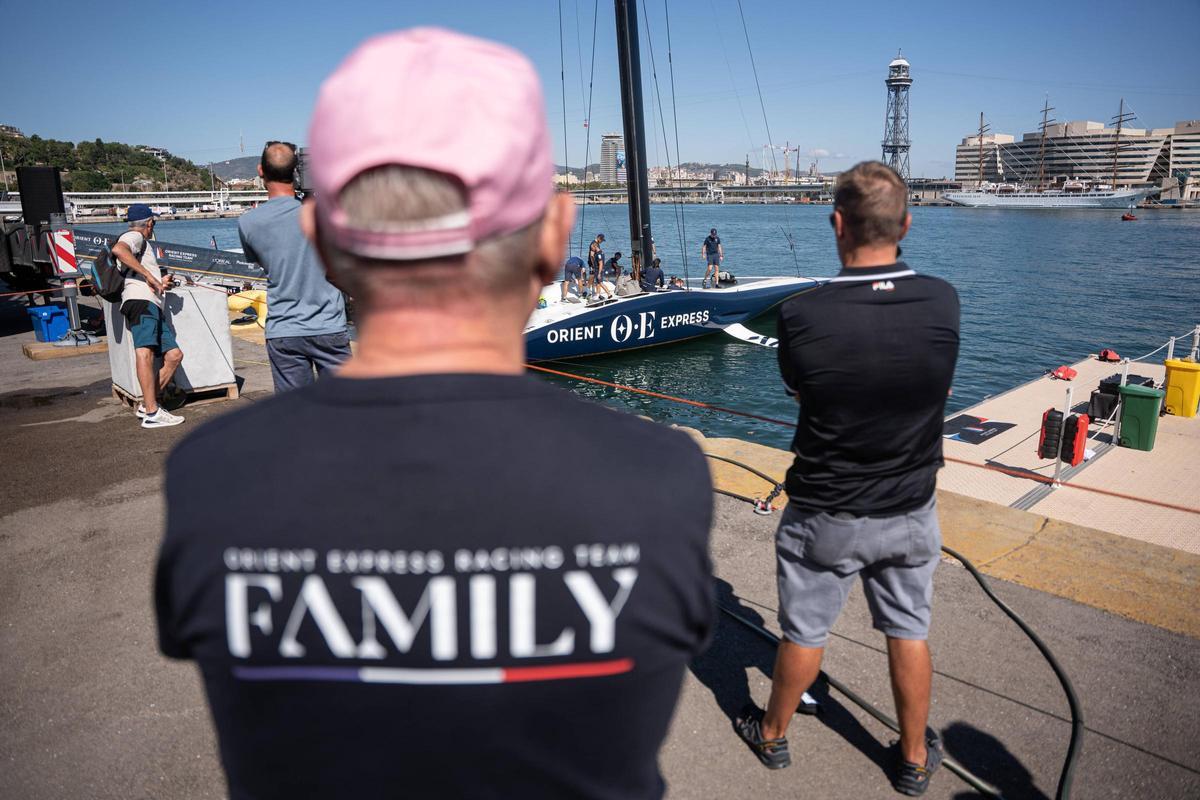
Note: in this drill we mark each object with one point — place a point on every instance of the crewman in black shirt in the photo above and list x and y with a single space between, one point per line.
870 357
371 634
652 278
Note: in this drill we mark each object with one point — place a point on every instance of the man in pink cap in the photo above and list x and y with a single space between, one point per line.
416 607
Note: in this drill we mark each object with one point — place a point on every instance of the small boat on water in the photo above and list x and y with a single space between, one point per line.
1128 217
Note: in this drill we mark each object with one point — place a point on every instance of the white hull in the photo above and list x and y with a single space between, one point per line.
1054 199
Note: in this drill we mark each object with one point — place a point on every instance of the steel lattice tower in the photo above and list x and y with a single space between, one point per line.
895 125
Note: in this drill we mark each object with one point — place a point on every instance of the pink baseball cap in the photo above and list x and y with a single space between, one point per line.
441 101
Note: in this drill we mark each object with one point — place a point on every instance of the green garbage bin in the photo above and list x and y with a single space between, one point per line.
1139 416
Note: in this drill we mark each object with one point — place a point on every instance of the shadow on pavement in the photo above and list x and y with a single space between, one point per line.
734 649
987 757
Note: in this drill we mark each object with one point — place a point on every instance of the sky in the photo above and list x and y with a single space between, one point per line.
206 79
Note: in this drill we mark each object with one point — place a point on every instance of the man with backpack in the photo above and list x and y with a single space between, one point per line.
141 305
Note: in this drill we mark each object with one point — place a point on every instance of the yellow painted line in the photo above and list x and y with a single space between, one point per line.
1134 579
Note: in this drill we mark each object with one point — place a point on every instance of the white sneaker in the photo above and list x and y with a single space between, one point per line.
141 411
160 419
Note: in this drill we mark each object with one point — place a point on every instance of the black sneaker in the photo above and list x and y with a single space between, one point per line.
773 753
913 779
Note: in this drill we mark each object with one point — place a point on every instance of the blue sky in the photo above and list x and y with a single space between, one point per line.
192 77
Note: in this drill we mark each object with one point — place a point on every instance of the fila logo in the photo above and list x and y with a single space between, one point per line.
883 286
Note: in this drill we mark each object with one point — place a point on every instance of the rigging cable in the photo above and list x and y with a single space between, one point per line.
678 155
1016 473
733 86
770 141
587 124
758 86
663 123
562 80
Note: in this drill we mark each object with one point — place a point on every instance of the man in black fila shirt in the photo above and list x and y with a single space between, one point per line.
869 357
393 599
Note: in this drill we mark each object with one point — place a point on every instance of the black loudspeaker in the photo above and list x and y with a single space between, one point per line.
41 193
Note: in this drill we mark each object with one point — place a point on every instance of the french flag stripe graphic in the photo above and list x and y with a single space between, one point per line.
473 675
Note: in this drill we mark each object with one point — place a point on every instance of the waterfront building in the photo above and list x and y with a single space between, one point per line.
1082 150
11 132
612 158
967 157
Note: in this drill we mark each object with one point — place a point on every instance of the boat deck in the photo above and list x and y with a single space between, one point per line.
1151 481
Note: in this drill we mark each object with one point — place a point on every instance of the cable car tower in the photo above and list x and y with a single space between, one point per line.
895 125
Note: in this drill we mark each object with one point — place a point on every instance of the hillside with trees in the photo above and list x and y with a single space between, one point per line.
99 166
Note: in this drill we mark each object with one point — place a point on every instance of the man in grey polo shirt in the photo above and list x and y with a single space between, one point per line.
306 315
870 357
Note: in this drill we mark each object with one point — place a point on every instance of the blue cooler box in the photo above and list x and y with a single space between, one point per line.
50 322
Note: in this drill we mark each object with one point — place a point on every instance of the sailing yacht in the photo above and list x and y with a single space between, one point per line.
572 329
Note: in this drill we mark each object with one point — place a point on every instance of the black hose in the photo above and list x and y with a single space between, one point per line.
1066 777
951 764
746 467
736 496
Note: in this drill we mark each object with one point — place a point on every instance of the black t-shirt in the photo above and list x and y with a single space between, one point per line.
711 243
612 267
871 356
652 277
391 591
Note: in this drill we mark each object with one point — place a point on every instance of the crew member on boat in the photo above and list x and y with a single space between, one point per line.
713 254
572 271
612 268
596 267
652 276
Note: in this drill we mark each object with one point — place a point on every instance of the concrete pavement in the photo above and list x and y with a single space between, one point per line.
91 709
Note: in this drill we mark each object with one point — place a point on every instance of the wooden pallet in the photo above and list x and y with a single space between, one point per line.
195 397
44 351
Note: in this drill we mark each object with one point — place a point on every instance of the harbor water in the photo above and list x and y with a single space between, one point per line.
1038 289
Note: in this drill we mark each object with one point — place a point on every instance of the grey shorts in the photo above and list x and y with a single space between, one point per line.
818 555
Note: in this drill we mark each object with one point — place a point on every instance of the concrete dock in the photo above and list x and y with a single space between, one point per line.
92 710
1120 490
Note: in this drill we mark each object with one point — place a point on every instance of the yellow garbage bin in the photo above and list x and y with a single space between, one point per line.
1182 387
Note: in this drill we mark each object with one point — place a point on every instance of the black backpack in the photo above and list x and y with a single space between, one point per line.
110 275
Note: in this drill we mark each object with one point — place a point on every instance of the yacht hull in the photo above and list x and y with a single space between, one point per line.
1043 200
569 330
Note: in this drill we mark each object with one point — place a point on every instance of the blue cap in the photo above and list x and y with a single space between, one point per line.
139 211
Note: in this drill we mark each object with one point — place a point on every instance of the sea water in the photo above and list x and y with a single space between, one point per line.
1038 289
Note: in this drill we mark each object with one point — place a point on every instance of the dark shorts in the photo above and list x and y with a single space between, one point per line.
295 358
818 555
714 259
150 330
573 271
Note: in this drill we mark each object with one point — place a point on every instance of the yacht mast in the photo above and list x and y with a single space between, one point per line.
635 132
982 129
1120 119
1041 181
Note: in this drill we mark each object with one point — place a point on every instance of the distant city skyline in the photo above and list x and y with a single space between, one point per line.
204 80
